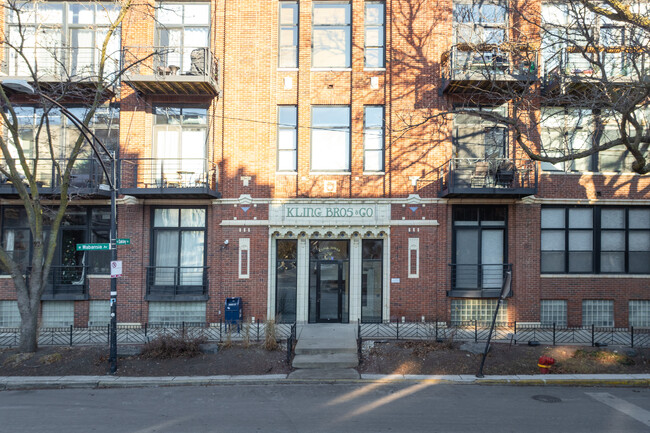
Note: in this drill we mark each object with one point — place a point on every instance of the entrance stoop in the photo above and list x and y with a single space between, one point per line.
326 347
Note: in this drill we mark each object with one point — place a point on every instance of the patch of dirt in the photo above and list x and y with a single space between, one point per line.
419 357
93 360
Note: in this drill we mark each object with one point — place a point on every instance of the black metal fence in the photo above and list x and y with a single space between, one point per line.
139 334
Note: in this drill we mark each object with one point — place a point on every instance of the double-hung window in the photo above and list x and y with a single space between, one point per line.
288 37
331 40
183 31
178 257
374 35
330 138
287 137
180 146
613 240
373 136
62 38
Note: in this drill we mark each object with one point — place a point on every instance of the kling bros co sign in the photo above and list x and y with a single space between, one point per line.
329 214
328 211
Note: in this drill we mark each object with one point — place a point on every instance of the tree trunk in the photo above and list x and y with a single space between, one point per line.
28 333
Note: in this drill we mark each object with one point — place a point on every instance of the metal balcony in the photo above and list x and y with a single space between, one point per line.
168 177
169 283
477 281
87 178
488 178
62 68
171 70
468 68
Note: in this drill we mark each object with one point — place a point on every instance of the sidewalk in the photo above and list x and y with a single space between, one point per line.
96 382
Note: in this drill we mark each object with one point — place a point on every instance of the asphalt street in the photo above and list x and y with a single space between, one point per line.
341 407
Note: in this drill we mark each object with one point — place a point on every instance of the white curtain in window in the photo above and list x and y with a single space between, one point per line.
193 151
166 257
167 152
195 38
330 150
191 258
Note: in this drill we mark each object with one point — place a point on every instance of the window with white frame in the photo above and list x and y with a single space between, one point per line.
57 314
62 38
331 41
330 138
595 240
374 34
553 312
287 138
182 32
481 310
180 147
175 313
244 257
639 313
9 314
288 37
99 313
414 258
598 313
373 138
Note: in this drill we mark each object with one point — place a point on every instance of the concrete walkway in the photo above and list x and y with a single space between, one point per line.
96 382
327 347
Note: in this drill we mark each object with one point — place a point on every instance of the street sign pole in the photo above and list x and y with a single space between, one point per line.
113 238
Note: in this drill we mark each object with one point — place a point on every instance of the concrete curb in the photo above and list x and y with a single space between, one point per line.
8 383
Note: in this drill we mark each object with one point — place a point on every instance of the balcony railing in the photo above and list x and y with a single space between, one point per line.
59 63
488 177
168 175
171 70
86 178
477 280
485 66
66 283
177 282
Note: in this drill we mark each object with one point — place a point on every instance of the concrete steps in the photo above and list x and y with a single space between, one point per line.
326 347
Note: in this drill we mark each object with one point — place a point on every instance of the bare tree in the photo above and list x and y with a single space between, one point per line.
35 163
567 83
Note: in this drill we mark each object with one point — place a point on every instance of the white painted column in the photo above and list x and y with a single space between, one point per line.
302 294
355 279
386 294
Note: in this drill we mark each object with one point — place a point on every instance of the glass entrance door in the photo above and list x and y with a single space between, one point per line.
329 282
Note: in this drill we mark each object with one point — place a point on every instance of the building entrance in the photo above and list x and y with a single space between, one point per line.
329 282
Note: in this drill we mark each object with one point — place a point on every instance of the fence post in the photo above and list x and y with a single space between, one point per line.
436 329
183 329
70 335
220 323
397 321
593 336
108 333
631 336
515 331
475 331
553 333
258 330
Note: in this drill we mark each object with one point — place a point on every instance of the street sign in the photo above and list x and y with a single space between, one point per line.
93 247
125 241
116 268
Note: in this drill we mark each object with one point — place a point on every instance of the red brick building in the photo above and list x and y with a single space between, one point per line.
264 153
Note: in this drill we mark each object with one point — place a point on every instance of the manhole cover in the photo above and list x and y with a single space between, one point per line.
546 399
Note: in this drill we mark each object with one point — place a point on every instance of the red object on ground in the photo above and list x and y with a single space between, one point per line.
544 363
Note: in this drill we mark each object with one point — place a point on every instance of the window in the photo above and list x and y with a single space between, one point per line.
288 38
598 313
373 138
374 38
79 225
479 247
57 314
287 137
330 138
9 314
286 282
553 313
595 240
480 22
244 257
481 310
639 312
183 31
175 313
477 138
178 259
180 146
372 257
414 258
99 313
63 38
331 35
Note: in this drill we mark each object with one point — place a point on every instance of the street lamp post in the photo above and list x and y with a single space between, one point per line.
23 86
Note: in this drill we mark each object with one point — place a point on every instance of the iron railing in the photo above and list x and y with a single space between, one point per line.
174 281
170 61
64 62
489 62
163 173
478 277
86 173
492 173
619 63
